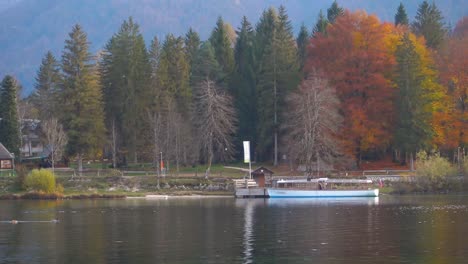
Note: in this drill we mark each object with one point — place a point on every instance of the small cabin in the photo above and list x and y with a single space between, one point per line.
260 175
6 159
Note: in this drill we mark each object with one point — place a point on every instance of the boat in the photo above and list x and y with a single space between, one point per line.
322 187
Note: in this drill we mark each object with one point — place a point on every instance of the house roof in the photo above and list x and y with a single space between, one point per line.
262 170
4 153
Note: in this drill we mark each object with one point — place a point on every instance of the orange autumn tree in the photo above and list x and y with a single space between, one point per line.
357 57
453 67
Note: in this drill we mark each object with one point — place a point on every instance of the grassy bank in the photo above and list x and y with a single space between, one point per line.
118 187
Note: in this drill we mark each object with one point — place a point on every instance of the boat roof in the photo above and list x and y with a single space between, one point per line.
325 180
4 153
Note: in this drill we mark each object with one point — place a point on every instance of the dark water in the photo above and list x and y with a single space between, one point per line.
417 229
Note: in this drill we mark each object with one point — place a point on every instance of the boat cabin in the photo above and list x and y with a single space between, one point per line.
260 175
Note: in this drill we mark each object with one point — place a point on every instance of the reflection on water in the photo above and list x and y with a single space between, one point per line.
389 229
248 231
324 201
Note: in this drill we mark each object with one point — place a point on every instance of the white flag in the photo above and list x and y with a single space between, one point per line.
246 151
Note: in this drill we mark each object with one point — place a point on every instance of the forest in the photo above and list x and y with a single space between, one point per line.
351 88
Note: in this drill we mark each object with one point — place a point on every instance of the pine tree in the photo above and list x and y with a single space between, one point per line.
401 18
429 23
224 53
243 90
125 71
321 25
302 41
334 12
81 97
9 126
47 84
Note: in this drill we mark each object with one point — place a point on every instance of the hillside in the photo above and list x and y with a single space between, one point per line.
32 27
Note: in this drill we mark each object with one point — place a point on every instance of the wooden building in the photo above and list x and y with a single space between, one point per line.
260 175
6 159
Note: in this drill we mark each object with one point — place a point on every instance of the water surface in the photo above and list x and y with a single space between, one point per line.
388 229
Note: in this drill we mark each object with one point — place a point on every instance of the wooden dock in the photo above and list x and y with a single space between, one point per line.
248 188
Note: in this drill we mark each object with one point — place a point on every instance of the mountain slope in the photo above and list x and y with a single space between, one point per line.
29 28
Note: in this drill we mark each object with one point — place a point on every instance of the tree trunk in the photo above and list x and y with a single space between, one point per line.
80 164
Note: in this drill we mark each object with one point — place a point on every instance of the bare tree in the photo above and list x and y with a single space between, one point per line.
215 119
55 139
312 123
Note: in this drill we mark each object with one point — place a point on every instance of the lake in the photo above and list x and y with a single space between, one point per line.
388 229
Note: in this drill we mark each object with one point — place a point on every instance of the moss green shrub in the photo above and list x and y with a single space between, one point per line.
432 171
41 180
465 166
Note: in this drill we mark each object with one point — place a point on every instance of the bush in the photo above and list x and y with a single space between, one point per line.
21 173
465 166
432 171
41 181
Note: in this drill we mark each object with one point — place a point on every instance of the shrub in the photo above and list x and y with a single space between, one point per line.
41 180
432 171
465 166
21 173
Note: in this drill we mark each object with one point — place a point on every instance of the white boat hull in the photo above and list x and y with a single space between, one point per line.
287 193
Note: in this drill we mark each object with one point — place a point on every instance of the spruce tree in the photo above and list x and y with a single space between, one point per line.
321 25
205 65
413 126
154 55
47 84
429 23
223 50
192 46
279 74
401 18
81 98
173 72
125 71
334 12
302 41
9 123
244 90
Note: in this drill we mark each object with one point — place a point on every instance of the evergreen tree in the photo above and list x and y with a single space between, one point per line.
192 48
173 73
9 123
413 130
47 85
81 98
321 25
192 45
302 41
205 65
173 77
334 12
401 18
125 72
279 74
154 55
221 43
429 23
244 91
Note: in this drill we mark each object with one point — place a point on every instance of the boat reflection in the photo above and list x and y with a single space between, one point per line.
324 201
